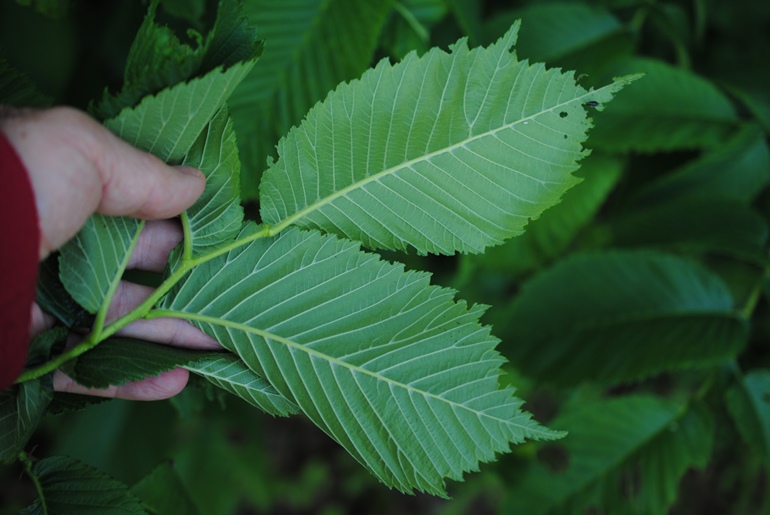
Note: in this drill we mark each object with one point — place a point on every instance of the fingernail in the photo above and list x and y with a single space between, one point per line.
188 170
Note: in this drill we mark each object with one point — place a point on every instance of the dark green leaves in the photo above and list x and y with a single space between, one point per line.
117 361
158 59
311 47
69 487
749 405
670 109
622 455
621 316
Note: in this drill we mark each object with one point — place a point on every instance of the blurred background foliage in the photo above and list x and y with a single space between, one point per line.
634 313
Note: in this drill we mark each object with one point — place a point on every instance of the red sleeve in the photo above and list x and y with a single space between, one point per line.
19 256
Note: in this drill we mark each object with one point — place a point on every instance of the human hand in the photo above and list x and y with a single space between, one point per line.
77 168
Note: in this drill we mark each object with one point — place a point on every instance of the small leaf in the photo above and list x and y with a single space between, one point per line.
70 402
623 455
117 361
163 493
313 46
389 366
167 124
53 297
91 264
228 372
620 316
21 409
749 406
217 216
670 109
72 487
391 161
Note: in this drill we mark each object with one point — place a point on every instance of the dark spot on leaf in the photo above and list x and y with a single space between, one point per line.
563 114
565 136
591 103
554 457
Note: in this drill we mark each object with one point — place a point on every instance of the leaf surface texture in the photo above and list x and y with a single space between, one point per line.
442 153
389 366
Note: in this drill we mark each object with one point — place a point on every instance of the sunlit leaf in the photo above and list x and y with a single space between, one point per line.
392 368
392 161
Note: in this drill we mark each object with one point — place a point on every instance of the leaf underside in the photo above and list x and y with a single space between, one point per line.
389 366
448 152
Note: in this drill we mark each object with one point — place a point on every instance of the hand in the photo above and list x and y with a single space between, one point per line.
77 168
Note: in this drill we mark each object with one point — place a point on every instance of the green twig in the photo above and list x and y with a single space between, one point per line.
141 311
27 462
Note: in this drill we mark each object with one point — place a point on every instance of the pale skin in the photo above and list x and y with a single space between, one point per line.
77 168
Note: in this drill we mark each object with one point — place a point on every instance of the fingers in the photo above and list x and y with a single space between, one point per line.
155 243
155 388
78 167
170 331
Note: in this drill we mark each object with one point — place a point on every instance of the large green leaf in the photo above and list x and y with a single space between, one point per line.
389 366
71 487
619 316
231 374
670 109
551 234
392 161
311 47
749 406
624 455
92 263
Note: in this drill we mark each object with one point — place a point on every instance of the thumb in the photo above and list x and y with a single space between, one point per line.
78 167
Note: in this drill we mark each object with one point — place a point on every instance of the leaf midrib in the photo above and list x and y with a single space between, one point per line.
422 158
331 359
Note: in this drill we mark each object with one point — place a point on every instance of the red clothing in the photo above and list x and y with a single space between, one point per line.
18 262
